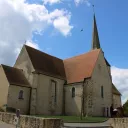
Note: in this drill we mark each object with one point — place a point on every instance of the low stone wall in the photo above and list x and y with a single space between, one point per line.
31 122
118 122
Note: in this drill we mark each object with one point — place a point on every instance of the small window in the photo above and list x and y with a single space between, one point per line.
21 94
102 92
73 92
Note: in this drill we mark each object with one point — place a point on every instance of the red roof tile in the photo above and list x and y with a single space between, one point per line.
73 70
79 67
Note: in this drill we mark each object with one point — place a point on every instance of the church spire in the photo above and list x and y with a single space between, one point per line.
95 38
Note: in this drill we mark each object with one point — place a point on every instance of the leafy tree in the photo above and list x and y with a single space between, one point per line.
125 107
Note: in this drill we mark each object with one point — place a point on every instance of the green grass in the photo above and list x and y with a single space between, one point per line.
77 119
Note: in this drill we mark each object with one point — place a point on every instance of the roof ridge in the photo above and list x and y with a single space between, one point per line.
59 58
43 52
83 54
10 67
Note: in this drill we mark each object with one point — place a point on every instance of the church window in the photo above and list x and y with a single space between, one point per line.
54 90
21 94
73 92
102 92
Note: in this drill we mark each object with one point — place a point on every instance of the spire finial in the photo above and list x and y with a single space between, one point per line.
93 9
95 38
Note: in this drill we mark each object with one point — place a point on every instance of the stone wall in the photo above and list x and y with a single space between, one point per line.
101 81
45 102
118 122
15 102
116 100
88 97
73 104
31 122
3 89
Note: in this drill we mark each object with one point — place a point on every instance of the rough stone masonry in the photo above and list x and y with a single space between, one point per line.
31 121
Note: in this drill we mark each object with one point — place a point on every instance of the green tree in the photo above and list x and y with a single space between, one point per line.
125 107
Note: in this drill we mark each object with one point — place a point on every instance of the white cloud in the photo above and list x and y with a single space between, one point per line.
77 2
19 20
51 1
32 44
120 79
62 24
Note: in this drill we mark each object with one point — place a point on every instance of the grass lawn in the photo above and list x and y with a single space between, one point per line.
77 119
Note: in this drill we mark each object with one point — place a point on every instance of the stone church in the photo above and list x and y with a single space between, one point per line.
39 83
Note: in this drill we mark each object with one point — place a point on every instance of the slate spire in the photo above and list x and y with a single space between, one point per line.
95 38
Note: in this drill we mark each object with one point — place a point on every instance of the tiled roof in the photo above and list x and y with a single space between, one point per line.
47 64
115 90
15 76
73 70
79 67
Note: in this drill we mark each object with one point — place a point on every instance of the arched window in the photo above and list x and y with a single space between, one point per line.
102 92
21 94
73 92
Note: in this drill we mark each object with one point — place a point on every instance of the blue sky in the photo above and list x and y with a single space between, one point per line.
112 22
54 26
112 25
